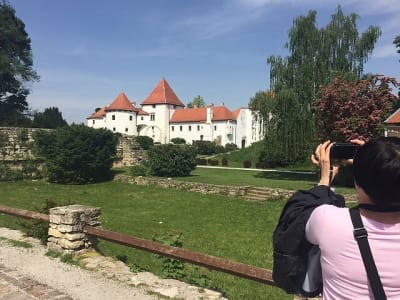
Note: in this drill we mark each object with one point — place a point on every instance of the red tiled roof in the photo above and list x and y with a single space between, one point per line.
221 113
99 114
236 113
121 103
141 112
163 94
189 115
394 118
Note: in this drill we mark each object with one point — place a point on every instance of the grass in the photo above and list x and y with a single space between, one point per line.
14 243
276 179
216 225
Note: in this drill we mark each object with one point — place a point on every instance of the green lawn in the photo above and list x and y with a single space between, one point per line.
221 226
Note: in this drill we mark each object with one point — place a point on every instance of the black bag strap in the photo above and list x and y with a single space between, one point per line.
361 236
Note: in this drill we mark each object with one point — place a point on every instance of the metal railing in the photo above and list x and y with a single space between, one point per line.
211 262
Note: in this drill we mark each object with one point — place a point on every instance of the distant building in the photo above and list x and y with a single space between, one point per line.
162 116
392 124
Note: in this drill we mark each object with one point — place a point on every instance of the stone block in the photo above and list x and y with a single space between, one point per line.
74 236
54 232
71 245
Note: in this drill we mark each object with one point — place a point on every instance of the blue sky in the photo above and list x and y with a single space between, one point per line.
87 52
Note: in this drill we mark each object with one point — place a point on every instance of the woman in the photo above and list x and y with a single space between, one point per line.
377 182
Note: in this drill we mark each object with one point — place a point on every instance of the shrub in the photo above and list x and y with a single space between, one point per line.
247 163
144 141
230 147
205 147
201 161
30 169
171 160
178 141
213 162
77 154
8 174
262 165
224 162
139 170
219 149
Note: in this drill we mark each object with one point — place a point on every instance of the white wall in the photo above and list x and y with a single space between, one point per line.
120 121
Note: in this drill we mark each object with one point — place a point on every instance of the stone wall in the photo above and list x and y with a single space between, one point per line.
204 188
129 152
16 146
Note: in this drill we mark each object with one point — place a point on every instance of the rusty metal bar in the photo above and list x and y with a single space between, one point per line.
212 262
23 213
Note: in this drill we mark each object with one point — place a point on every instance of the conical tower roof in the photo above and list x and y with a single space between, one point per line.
162 94
121 103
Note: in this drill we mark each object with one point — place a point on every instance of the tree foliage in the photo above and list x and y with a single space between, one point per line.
50 118
396 41
169 160
197 101
15 67
348 109
145 141
316 57
77 154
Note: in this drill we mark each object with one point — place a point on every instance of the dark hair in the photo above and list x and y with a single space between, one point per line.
377 170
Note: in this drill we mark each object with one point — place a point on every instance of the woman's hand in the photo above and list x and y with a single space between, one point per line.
321 158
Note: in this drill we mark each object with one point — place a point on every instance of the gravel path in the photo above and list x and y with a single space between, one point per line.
73 281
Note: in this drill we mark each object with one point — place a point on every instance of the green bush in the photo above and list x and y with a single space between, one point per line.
144 141
171 160
247 164
230 147
224 162
219 149
8 174
139 170
204 147
213 162
178 141
77 154
201 161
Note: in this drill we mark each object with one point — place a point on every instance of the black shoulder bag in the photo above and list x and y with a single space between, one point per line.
361 236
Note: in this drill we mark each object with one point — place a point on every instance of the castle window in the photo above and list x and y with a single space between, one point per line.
113 128
152 117
215 127
198 127
154 106
130 118
172 128
190 128
113 117
93 122
141 118
180 128
126 129
201 137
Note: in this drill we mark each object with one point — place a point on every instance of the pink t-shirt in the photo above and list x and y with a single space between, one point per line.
343 271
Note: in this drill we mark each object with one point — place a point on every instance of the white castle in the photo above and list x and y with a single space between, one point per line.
162 116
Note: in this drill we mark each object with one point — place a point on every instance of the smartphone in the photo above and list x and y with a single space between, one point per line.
343 151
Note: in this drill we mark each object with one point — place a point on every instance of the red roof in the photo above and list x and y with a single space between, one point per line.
99 114
141 112
220 113
394 118
236 113
163 94
189 115
121 103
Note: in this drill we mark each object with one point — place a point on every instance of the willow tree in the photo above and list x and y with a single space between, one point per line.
316 57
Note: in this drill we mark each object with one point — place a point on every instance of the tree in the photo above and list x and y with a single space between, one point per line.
316 57
197 101
51 118
77 154
171 160
396 41
15 67
348 109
